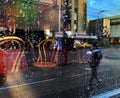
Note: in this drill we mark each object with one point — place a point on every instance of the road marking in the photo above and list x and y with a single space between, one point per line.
76 75
26 84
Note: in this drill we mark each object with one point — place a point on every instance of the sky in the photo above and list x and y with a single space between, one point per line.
97 9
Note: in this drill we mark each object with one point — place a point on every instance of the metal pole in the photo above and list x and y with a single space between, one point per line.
72 18
59 18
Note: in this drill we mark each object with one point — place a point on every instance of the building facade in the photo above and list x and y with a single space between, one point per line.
54 15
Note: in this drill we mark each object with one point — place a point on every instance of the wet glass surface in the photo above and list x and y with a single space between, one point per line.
25 24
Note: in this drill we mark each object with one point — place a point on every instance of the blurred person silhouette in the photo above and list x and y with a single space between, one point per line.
65 47
94 56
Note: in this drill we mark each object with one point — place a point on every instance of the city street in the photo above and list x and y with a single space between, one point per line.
68 81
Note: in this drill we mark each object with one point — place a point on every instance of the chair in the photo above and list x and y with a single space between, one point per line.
48 50
13 50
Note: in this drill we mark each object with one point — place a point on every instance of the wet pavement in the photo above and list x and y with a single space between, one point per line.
64 81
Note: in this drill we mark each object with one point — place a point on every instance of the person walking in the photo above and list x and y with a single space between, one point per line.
94 56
